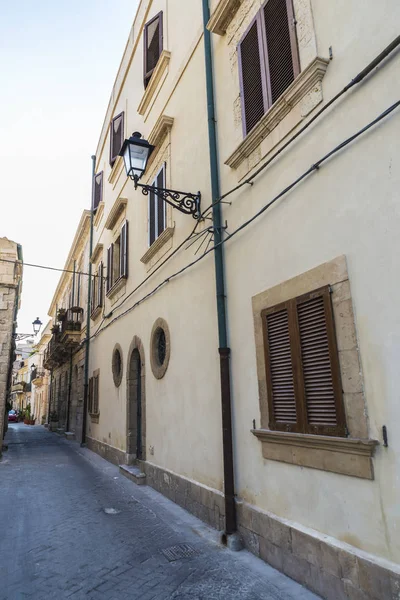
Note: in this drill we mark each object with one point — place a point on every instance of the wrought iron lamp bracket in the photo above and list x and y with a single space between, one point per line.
185 202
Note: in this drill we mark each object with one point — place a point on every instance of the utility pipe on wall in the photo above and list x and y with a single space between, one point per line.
87 341
224 351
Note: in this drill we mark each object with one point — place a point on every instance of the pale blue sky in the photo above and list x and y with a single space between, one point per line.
58 61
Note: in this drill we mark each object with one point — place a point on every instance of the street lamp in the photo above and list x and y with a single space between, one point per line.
136 153
37 323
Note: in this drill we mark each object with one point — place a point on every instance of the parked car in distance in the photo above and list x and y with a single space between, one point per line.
12 415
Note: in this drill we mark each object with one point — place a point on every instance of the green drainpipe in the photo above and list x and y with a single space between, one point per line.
87 341
224 350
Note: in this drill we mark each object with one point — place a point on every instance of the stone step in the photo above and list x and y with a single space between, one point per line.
133 473
69 435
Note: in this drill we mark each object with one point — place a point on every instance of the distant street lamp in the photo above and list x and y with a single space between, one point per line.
37 323
136 153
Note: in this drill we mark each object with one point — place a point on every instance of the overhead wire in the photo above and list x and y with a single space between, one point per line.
314 167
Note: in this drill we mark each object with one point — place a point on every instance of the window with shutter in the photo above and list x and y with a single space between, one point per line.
157 209
268 60
99 291
302 366
116 136
95 394
90 396
153 45
109 280
123 268
98 190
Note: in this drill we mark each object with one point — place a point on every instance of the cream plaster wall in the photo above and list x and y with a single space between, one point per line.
350 206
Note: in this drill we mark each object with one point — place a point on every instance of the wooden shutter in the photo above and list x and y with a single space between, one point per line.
153 45
160 182
116 136
78 290
152 218
93 294
282 58
95 394
98 190
302 366
109 281
100 285
90 396
123 251
280 369
253 88
320 364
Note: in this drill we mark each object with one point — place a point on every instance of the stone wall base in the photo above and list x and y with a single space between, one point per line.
328 567
113 455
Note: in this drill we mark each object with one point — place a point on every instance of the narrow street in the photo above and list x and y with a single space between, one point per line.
73 527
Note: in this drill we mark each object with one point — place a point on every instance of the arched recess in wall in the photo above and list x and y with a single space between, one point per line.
136 402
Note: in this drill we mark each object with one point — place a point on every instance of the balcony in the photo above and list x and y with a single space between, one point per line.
37 376
66 337
71 324
19 388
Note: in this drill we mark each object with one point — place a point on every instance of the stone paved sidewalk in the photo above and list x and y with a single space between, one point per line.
72 527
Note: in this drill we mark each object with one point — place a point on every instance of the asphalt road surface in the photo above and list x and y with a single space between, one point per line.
72 527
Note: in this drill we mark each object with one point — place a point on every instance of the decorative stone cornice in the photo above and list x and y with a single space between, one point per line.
160 130
98 214
348 456
301 86
96 252
115 213
158 72
222 16
157 244
116 169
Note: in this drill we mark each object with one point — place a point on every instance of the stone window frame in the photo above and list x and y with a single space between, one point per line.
158 369
351 455
231 18
117 377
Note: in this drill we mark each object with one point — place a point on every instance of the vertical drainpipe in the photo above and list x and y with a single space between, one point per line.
87 341
224 350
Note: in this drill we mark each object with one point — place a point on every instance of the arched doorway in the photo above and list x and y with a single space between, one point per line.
136 406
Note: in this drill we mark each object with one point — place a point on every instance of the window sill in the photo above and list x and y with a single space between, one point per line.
94 417
347 456
157 245
158 72
222 16
95 313
117 287
116 170
117 210
99 214
305 93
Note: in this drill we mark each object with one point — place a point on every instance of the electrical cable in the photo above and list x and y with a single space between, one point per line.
314 167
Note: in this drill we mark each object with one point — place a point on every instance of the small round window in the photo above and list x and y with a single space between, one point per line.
160 348
117 365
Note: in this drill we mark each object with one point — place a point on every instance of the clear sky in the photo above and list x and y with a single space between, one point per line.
58 61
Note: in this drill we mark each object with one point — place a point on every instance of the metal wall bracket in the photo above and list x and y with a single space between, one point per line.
185 202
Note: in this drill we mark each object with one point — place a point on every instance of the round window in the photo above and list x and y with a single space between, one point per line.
117 365
160 348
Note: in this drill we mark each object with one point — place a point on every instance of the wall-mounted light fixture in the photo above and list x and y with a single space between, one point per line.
136 153
37 323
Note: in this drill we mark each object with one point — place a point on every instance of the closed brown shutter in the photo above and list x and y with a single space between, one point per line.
152 218
109 281
95 394
279 370
123 256
90 396
252 77
153 45
282 52
302 366
98 190
116 136
100 285
160 203
320 366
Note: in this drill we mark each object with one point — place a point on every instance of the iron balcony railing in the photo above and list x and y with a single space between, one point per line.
72 320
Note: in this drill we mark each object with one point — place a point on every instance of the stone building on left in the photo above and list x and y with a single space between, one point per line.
10 298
